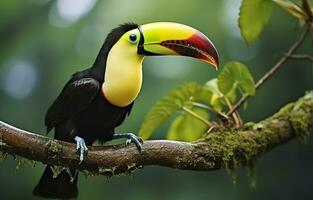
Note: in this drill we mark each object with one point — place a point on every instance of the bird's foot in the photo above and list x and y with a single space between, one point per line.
130 137
81 148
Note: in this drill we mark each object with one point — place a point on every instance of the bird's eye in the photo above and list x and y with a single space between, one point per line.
132 38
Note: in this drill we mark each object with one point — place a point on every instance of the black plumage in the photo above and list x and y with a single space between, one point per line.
82 110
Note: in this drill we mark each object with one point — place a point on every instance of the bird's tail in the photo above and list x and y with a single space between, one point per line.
60 187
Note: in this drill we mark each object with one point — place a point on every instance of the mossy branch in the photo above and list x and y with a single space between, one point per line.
216 151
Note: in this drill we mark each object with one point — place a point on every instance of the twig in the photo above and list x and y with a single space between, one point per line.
279 63
216 151
206 122
302 56
307 8
235 115
200 105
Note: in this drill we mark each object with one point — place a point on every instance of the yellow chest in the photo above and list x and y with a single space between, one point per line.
123 74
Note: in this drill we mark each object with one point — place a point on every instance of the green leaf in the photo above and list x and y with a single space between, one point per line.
217 95
292 9
170 104
245 105
253 15
235 74
213 87
218 98
186 127
232 95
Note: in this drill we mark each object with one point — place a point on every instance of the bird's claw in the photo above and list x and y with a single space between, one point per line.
130 137
128 141
135 139
81 148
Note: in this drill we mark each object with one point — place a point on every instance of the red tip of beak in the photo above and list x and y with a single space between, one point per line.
206 50
197 46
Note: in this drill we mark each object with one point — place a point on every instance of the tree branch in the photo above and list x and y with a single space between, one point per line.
224 149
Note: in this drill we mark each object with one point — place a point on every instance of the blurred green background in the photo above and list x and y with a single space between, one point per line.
43 42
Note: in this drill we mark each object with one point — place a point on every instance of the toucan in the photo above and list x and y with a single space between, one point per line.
95 101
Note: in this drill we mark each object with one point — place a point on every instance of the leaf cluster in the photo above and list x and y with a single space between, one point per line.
193 105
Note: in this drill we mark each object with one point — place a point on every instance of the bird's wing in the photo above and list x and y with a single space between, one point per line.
127 113
75 97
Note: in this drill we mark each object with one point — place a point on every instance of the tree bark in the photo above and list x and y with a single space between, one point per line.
219 149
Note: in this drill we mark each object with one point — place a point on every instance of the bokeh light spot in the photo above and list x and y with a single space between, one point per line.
67 12
39 2
229 17
19 79
239 50
169 68
72 10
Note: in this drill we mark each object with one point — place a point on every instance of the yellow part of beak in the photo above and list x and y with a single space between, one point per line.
168 38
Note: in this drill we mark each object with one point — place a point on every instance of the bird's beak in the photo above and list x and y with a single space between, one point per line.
167 38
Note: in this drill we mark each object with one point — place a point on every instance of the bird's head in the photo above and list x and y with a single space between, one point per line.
126 46
167 38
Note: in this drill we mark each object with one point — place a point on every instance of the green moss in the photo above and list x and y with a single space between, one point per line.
56 170
210 164
107 171
131 167
89 174
1 143
3 156
252 173
274 130
126 170
301 122
232 174
284 111
248 125
232 147
53 148
270 134
300 115
20 162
